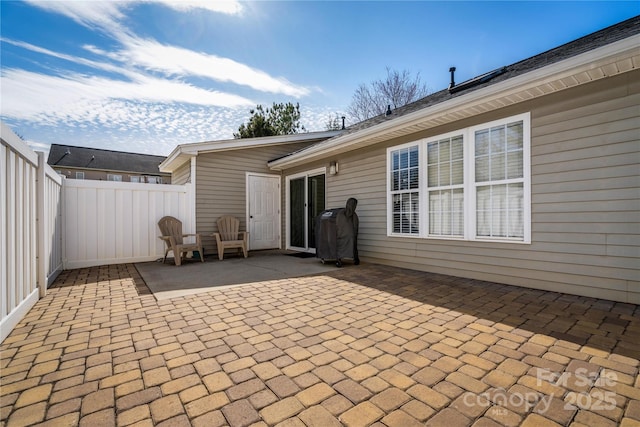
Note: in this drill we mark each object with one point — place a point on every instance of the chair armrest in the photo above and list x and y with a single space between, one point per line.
197 236
169 240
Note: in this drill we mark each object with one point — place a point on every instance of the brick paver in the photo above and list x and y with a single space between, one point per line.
365 345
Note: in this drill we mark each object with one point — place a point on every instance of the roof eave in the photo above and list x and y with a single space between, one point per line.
183 152
615 58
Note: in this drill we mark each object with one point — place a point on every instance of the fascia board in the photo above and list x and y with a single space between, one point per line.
176 159
553 72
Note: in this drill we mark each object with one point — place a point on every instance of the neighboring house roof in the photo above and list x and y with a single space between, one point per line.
182 153
94 158
605 53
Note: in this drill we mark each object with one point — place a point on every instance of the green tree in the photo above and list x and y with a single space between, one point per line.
281 119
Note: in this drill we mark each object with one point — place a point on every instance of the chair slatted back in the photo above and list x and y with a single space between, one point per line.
228 227
170 226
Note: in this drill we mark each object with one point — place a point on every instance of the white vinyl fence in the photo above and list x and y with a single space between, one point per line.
49 191
117 222
30 228
48 223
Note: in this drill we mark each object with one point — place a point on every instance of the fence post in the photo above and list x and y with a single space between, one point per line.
41 221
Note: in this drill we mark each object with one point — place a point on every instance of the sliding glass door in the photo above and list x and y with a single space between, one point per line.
306 200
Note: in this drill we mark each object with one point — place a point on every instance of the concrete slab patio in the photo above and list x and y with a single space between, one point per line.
193 276
358 346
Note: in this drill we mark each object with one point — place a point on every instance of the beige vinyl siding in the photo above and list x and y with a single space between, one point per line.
221 184
585 200
182 175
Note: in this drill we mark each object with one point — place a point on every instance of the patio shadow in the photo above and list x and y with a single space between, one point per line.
597 323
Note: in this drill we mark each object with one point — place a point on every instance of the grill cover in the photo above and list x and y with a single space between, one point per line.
337 233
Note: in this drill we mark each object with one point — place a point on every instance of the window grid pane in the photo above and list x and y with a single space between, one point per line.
445 164
500 211
446 212
499 152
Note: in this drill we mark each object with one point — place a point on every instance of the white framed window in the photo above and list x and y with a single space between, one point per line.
445 185
471 184
134 178
405 189
499 180
154 179
112 177
79 175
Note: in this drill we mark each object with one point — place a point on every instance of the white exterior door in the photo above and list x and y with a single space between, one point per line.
263 211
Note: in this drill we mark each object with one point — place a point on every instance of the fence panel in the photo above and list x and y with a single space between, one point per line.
50 227
18 230
116 222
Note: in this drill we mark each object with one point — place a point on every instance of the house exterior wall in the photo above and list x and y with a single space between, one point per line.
221 184
182 175
585 152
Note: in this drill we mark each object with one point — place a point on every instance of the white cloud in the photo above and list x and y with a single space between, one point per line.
107 14
72 58
28 95
228 7
173 60
92 14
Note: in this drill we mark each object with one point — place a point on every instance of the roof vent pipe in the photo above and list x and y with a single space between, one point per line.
452 70
388 113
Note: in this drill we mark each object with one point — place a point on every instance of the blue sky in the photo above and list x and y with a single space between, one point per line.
145 76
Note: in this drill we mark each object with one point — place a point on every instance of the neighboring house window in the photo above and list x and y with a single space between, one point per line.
134 178
154 180
111 177
79 175
475 184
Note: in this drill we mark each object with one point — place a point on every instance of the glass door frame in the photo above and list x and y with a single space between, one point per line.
306 175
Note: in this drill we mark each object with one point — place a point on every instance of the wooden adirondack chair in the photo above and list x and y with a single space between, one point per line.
228 236
171 229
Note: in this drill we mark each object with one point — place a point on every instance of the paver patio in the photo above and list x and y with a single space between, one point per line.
366 345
